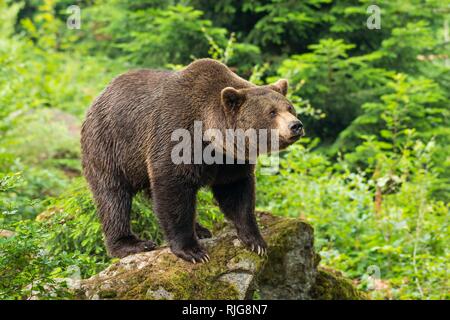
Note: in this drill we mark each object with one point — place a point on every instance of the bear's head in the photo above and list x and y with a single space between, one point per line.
263 108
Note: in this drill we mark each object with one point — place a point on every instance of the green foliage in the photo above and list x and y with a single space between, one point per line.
283 23
404 234
42 135
28 267
174 33
328 71
275 26
388 132
66 81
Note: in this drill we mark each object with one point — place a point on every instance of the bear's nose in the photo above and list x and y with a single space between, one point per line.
295 127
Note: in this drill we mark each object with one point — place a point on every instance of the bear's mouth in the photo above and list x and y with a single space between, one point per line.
297 136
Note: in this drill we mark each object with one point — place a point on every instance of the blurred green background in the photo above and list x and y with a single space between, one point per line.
372 175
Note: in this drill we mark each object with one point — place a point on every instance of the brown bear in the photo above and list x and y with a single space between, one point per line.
127 144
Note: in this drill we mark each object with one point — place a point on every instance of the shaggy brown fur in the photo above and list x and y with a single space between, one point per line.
126 148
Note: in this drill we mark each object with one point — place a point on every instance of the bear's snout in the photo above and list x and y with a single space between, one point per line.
296 128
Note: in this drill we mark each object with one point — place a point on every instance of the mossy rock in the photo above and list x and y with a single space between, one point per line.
332 285
289 270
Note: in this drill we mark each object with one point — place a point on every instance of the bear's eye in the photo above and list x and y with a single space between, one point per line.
290 108
273 113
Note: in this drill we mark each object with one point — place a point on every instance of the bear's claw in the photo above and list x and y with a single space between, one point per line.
255 244
261 251
192 254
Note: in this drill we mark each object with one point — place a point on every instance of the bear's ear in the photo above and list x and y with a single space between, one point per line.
232 98
280 86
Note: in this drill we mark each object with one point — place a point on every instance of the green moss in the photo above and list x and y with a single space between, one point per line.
279 234
331 285
107 294
182 281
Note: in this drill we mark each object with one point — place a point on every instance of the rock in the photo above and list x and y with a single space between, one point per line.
48 214
6 233
331 285
289 271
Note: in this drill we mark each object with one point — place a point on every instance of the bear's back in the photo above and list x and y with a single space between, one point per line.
212 75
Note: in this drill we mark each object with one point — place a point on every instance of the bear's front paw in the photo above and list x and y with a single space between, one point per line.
193 253
254 243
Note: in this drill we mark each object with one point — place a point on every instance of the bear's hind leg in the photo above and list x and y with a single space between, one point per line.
114 208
